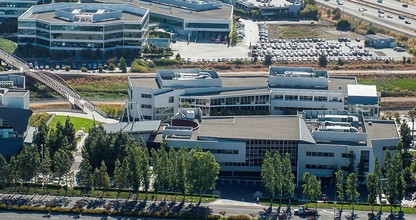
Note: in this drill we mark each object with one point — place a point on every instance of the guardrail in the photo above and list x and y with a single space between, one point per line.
52 81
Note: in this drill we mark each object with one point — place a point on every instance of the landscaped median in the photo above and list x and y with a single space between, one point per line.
346 207
105 212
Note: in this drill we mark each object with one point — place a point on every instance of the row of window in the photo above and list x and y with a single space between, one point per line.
319 167
258 99
306 98
146 106
319 154
223 151
147 96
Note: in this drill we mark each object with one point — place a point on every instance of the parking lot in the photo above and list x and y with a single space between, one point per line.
309 49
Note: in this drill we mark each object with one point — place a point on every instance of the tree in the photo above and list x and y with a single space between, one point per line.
378 173
351 161
406 138
96 178
86 174
111 67
61 163
122 65
172 170
339 175
203 170
351 191
182 172
395 180
411 114
268 175
267 60
372 188
323 61
343 25
361 175
145 170
118 176
311 188
46 164
29 162
279 178
288 179
310 11
104 178
41 134
68 131
3 169
13 171
178 57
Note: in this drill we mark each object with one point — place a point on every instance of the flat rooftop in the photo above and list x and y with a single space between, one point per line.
133 127
379 37
146 82
49 16
244 81
223 13
380 129
340 83
15 93
250 127
362 90
272 3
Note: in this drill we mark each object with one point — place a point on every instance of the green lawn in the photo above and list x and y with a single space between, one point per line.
393 87
79 123
8 45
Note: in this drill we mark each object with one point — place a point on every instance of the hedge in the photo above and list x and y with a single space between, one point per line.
105 212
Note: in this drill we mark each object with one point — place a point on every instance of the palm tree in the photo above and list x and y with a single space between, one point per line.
411 114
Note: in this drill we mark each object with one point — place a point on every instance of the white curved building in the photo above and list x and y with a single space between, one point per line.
77 27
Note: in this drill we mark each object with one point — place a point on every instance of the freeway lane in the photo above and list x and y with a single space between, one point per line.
393 5
371 15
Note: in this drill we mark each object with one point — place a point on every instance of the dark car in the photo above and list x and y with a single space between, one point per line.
407 22
401 17
405 5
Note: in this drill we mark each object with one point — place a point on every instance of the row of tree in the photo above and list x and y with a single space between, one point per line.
132 166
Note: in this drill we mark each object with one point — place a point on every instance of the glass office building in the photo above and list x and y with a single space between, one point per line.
77 27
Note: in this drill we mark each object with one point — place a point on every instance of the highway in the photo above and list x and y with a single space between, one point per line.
395 5
372 15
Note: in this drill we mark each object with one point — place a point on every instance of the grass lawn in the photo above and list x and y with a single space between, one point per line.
79 123
8 45
393 87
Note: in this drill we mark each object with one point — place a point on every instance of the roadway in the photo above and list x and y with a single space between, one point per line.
395 5
372 15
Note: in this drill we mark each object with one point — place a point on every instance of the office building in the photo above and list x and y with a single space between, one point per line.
9 12
271 9
14 118
76 28
284 92
195 19
318 141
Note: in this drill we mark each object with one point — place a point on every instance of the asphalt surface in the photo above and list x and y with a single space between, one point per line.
372 15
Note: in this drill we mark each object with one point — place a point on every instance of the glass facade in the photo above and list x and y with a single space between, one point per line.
207 25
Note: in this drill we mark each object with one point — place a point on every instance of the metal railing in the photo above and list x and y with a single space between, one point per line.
52 81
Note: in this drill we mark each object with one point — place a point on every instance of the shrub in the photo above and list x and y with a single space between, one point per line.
323 61
83 69
139 66
165 62
111 67
67 68
343 25
238 217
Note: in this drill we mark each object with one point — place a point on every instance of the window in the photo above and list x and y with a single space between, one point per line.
305 97
171 99
278 97
146 106
147 96
318 167
345 155
291 97
320 154
147 117
321 98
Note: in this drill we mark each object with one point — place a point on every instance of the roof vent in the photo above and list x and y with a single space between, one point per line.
370 123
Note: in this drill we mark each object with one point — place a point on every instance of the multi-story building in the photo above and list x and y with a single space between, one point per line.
318 141
14 117
285 91
78 27
9 12
196 19
271 9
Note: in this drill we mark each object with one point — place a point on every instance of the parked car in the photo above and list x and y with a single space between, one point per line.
405 5
401 17
407 22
